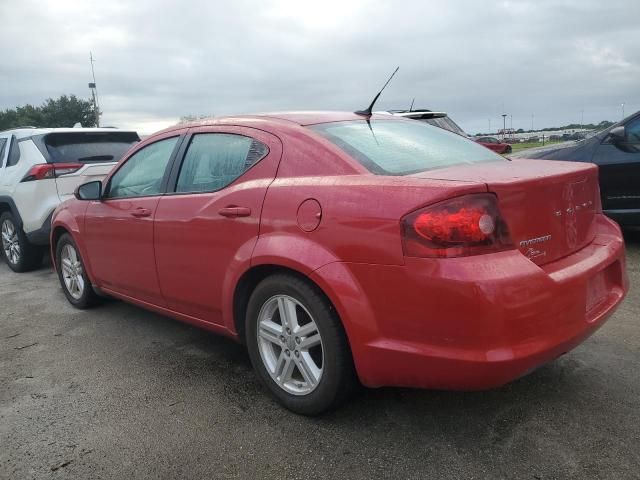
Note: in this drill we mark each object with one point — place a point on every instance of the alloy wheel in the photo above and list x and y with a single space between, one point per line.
72 271
10 242
290 345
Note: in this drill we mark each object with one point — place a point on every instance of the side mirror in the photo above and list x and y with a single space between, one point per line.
89 191
618 134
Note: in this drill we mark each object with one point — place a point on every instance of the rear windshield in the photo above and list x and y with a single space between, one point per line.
402 147
86 147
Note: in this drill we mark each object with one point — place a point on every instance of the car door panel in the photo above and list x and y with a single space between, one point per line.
200 238
119 231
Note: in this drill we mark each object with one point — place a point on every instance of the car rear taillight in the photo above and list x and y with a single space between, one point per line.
462 226
43 171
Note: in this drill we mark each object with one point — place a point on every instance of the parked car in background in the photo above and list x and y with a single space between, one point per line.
269 229
41 167
437 119
616 151
494 144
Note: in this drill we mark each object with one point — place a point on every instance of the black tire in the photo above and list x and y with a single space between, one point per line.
27 256
508 149
88 297
338 379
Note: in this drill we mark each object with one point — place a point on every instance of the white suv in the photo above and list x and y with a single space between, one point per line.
41 167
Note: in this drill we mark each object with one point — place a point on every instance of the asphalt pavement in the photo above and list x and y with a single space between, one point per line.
118 392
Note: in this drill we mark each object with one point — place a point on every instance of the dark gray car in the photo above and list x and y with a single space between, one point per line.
616 151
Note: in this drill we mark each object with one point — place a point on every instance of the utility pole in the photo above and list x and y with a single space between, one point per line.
532 122
489 126
622 111
94 92
504 124
581 118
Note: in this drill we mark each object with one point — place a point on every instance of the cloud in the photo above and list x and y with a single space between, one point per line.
157 61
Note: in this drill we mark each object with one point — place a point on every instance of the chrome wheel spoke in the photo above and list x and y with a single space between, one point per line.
270 331
310 341
309 370
284 368
287 310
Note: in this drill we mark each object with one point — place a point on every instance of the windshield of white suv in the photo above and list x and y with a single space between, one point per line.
402 147
85 147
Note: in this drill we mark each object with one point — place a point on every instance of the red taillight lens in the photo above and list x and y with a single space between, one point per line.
467 225
50 170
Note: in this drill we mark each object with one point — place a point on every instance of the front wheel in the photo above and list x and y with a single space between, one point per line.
73 277
20 255
298 346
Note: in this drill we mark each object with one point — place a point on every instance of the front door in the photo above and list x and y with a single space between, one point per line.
119 227
211 220
619 169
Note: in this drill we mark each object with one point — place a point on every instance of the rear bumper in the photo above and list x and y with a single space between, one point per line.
476 322
626 218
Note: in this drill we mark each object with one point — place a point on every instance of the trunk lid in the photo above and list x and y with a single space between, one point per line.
549 206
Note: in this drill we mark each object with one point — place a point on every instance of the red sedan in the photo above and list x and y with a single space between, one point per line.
494 144
344 249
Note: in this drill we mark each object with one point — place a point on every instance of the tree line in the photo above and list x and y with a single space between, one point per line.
64 111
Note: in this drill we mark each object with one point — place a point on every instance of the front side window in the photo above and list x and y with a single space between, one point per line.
402 147
214 160
632 130
142 174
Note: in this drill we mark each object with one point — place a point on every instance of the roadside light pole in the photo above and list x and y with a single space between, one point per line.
622 111
94 92
504 125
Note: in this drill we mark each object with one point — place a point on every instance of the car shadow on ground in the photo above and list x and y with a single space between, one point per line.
216 360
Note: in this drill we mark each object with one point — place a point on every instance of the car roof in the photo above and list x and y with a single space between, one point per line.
25 132
302 118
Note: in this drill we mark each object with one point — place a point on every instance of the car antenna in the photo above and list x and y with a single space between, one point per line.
411 107
368 112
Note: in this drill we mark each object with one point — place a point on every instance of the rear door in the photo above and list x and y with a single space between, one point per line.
620 170
212 218
119 228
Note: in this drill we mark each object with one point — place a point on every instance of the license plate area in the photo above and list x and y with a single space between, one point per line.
601 285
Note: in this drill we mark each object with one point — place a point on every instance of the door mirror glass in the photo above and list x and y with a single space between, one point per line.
89 191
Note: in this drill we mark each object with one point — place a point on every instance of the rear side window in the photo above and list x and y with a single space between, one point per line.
402 147
3 143
214 160
85 147
14 153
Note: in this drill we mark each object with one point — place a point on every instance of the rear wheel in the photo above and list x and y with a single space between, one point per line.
508 149
20 255
73 277
298 346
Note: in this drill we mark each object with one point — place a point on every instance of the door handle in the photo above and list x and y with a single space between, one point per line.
141 212
235 212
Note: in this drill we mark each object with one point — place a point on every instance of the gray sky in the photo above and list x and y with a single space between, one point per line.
157 61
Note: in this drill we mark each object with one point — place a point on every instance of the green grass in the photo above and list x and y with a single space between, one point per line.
518 147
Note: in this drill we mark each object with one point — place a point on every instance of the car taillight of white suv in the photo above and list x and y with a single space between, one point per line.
39 169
